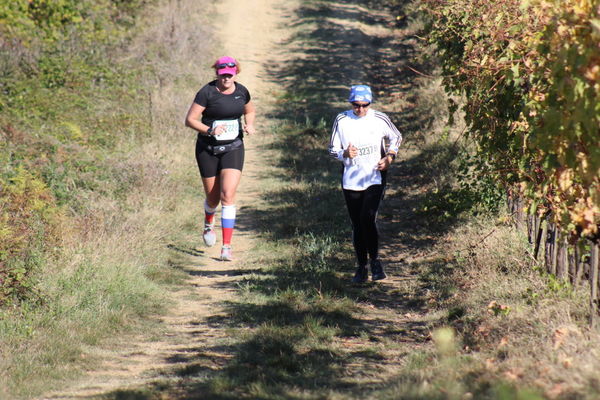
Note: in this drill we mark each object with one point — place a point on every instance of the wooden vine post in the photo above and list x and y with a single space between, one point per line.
594 284
533 150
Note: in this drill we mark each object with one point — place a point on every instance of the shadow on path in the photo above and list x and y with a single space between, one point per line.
342 43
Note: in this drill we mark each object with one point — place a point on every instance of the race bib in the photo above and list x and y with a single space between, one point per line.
232 129
365 155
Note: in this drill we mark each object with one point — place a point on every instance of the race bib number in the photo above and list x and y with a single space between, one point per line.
365 154
232 129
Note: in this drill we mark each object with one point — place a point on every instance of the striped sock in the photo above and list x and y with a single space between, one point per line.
227 223
209 213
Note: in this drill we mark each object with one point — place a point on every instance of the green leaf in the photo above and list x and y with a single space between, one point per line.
595 25
515 70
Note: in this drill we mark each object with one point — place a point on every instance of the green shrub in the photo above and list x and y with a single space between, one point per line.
29 224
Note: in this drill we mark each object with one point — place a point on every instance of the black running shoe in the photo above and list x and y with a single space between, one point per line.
377 273
361 275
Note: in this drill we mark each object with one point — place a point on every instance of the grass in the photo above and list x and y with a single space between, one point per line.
515 321
126 196
464 315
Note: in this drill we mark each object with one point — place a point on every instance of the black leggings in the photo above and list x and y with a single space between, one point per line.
362 207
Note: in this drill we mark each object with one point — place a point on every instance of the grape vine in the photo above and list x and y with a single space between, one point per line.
529 73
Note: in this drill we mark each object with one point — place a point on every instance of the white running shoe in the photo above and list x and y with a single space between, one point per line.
226 253
209 235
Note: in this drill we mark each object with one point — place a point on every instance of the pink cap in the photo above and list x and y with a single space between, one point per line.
226 65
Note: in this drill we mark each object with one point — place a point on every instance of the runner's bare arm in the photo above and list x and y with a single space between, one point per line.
249 117
192 120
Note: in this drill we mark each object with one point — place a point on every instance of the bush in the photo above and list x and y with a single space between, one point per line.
29 225
57 79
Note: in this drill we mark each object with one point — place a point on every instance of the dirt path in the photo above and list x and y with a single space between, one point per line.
258 34
186 328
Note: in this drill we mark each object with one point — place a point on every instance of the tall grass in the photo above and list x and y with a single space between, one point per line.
125 199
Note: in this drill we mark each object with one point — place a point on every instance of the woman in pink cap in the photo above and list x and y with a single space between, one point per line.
216 114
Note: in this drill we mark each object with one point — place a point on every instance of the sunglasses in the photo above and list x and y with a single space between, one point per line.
225 65
356 105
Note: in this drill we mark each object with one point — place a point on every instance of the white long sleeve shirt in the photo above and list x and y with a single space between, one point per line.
368 134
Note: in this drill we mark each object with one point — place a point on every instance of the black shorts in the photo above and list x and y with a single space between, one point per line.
210 165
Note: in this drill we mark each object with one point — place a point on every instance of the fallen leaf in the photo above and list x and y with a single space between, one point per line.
514 373
567 362
511 376
562 334
556 391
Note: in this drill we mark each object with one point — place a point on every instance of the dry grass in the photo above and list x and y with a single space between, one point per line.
113 262
517 323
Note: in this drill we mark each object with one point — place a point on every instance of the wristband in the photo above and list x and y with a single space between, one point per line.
209 131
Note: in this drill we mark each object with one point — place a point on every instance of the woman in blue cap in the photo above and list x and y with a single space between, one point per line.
366 141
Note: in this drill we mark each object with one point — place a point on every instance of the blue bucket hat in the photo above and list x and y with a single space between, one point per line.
360 93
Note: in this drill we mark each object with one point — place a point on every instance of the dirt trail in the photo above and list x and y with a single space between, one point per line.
139 361
258 34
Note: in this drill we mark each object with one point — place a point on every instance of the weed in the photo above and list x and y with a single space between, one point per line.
498 309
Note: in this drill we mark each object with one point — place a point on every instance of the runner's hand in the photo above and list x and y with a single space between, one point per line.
351 151
249 129
383 164
219 130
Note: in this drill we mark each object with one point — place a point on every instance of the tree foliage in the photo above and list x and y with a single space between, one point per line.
530 74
